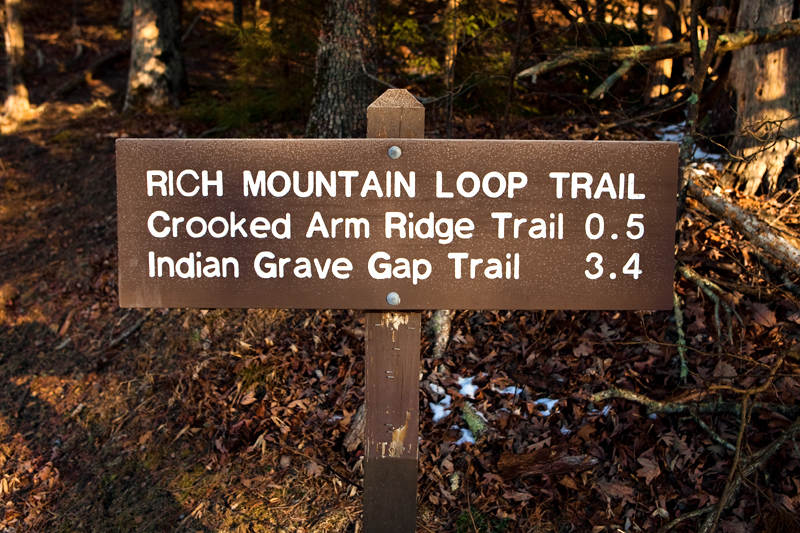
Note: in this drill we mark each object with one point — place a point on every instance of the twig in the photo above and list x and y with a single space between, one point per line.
711 522
685 516
676 308
711 290
794 350
130 331
716 437
605 127
192 25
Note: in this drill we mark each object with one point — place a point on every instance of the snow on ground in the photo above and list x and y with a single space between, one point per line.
466 436
548 403
467 388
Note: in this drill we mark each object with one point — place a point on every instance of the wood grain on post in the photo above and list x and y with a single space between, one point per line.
391 433
396 114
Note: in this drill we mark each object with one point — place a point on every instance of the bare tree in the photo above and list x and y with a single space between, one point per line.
157 75
17 105
343 90
766 82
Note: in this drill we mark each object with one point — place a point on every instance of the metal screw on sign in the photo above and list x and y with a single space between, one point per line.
393 298
395 152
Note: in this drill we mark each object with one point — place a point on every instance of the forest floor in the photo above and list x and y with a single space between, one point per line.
233 420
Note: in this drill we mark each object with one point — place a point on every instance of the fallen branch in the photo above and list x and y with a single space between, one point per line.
130 331
646 53
756 231
546 461
89 71
711 290
676 308
611 80
439 325
705 407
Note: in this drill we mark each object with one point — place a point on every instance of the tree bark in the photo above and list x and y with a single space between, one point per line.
157 76
766 82
237 12
756 231
343 91
126 14
663 31
17 105
451 49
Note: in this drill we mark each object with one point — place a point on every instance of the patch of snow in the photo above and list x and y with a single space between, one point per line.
653 416
508 390
548 403
673 132
565 431
467 388
436 388
466 436
440 409
606 410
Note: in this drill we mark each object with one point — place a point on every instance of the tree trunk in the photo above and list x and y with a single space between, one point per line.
663 31
343 91
157 75
451 49
237 12
126 14
766 82
17 105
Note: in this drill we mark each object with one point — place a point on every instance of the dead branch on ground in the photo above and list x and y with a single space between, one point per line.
755 230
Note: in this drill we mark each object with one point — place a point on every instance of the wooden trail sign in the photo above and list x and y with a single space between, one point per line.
447 224
395 222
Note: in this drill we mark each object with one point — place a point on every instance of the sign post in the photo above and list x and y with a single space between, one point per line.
395 223
391 429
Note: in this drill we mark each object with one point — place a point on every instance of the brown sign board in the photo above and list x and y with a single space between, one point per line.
454 224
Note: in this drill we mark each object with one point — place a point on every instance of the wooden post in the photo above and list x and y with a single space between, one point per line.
391 431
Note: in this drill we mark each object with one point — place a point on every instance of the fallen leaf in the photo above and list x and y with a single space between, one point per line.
313 469
517 496
650 469
764 316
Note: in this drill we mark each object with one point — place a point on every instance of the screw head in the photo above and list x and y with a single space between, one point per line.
395 152
393 298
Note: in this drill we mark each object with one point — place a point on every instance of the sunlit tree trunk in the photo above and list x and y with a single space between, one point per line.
17 105
766 82
342 90
661 72
156 75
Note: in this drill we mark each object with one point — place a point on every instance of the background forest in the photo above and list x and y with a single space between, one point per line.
539 421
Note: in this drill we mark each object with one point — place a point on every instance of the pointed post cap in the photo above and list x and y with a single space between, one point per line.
396 114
